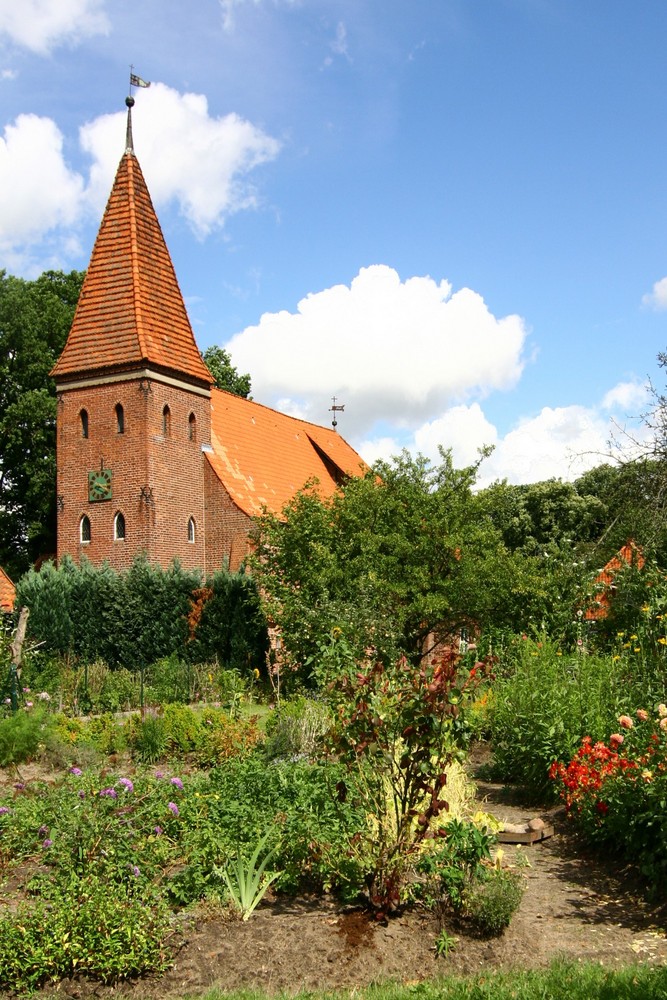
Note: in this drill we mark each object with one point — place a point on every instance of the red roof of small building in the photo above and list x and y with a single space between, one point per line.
263 457
629 555
130 312
7 592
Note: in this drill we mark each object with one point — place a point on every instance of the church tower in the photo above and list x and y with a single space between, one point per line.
134 410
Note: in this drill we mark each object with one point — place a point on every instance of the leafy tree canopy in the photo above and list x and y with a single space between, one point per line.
225 374
35 317
395 561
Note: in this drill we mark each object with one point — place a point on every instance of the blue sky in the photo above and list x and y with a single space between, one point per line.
450 214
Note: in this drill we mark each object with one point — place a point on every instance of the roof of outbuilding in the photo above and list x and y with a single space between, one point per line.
131 312
7 592
263 457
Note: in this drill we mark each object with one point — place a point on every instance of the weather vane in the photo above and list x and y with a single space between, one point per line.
136 81
335 409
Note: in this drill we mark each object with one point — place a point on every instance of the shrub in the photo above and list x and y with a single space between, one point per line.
22 736
616 790
147 737
222 738
449 866
492 901
297 729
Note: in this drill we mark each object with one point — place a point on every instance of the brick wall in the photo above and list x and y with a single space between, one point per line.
227 527
157 478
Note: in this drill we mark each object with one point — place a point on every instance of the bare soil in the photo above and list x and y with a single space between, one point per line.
575 905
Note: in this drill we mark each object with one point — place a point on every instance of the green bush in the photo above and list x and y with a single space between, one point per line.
546 700
22 735
296 729
147 738
449 865
492 901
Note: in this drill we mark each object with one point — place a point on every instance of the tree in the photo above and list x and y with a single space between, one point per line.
35 317
225 374
397 560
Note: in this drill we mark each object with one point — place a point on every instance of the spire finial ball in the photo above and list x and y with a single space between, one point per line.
129 101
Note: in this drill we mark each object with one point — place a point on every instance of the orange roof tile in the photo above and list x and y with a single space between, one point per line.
7 592
263 457
629 555
131 311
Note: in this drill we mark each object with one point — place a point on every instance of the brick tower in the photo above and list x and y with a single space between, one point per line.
134 410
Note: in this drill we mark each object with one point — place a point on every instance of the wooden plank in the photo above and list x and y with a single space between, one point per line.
525 837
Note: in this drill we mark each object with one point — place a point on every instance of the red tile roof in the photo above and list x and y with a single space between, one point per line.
131 312
7 592
263 457
629 555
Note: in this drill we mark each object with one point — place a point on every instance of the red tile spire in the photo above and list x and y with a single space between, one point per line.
131 313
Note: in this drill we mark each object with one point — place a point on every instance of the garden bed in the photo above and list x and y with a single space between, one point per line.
574 905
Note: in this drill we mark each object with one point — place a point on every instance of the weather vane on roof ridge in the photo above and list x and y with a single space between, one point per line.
135 81
335 409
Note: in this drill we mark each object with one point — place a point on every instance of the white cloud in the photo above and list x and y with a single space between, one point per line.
390 349
559 442
41 25
201 162
229 8
632 397
657 297
30 207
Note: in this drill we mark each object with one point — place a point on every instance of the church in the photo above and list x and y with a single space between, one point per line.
151 457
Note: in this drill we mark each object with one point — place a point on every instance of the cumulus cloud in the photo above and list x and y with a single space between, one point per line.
207 173
657 297
558 442
209 158
386 347
30 151
41 25
229 8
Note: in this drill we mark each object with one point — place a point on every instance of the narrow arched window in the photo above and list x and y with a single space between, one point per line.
166 421
192 427
83 417
119 527
84 530
191 530
120 419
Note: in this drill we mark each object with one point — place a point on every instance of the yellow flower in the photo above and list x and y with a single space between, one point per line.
637 649
617 657
646 608
647 775
662 641
619 635
626 645
633 637
559 653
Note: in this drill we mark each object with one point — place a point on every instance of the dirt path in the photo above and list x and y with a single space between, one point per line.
574 905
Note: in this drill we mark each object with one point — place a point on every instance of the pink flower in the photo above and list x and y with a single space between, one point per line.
625 721
642 714
663 724
173 807
615 740
662 711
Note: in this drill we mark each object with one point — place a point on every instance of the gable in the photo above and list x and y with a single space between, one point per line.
263 457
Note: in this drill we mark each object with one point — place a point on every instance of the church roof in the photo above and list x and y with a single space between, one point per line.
7 592
131 312
263 457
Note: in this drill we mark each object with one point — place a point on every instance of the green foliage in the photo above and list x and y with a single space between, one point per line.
246 880
451 863
492 901
21 736
143 617
297 728
545 700
35 317
82 929
224 373
398 729
616 791
396 560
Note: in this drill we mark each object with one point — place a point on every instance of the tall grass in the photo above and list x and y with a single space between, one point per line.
545 700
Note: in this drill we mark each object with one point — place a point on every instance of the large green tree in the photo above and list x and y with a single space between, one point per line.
35 317
394 561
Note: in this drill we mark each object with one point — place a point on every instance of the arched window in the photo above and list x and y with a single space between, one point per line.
83 417
119 527
166 421
120 419
192 427
191 530
84 530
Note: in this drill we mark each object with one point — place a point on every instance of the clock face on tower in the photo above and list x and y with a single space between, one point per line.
99 485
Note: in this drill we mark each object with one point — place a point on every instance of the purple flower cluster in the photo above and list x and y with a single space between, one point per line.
177 783
4 810
76 771
127 784
173 808
110 792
